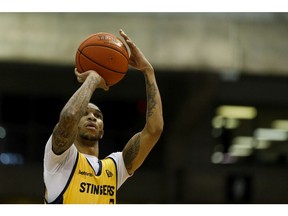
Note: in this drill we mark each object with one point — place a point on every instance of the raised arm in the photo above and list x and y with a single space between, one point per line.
139 146
65 131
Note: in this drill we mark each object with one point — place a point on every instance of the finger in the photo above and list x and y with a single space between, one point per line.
106 88
128 40
75 71
125 36
122 33
79 79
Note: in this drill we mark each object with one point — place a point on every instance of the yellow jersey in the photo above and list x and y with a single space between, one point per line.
84 186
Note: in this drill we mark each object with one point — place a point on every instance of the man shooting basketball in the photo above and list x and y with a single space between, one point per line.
72 171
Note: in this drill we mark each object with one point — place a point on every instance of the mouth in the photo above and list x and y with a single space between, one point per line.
91 126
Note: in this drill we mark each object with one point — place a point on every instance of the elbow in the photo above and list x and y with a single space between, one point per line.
68 115
157 129
160 127
69 112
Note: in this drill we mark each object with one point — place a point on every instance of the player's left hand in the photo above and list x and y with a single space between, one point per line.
137 58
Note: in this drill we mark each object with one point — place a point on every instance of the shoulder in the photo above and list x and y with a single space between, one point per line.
52 161
116 156
122 173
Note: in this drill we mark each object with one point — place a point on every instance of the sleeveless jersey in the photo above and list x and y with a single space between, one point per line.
84 186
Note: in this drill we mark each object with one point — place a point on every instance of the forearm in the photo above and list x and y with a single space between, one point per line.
80 99
139 146
154 116
65 131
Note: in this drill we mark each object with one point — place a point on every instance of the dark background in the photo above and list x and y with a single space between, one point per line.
179 168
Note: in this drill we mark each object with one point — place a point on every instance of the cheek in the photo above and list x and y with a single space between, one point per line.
81 123
100 124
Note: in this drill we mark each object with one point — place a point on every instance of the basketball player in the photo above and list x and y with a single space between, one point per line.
73 173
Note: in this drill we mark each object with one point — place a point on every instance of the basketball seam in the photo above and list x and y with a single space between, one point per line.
100 64
79 56
106 47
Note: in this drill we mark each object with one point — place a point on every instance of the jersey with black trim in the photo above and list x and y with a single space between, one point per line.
87 187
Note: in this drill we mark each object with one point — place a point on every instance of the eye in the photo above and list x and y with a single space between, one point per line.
98 115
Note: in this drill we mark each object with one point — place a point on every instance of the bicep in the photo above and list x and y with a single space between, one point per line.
131 151
63 136
137 149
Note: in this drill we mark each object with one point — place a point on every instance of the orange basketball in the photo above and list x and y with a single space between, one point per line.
106 54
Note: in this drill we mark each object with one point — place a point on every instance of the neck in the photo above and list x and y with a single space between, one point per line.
87 147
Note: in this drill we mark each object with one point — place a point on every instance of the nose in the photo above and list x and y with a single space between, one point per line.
91 117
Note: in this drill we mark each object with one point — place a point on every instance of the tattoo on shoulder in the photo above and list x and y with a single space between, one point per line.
131 152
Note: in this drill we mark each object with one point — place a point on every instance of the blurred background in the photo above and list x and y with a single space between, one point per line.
223 79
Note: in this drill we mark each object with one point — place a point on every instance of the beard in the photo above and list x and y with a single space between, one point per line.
89 137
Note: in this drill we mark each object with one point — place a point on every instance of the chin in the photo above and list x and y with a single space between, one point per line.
89 137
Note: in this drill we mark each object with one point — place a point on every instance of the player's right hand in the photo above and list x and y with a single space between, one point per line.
81 77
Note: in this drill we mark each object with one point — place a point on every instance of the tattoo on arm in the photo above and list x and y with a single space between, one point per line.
62 137
65 131
151 92
131 151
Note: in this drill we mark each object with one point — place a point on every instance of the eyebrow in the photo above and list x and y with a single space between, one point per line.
98 111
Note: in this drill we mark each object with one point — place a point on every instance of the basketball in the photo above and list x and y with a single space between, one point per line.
106 54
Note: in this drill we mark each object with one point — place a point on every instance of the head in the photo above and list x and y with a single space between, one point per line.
91 127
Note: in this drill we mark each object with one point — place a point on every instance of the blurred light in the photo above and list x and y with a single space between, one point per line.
239 151
238 112
243 141
231 123
2 132
217 157
218 122
4 158
11 159
270 134
241 146
262 144
280 124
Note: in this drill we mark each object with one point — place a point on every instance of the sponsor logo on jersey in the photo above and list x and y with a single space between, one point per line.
85 173
109 173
